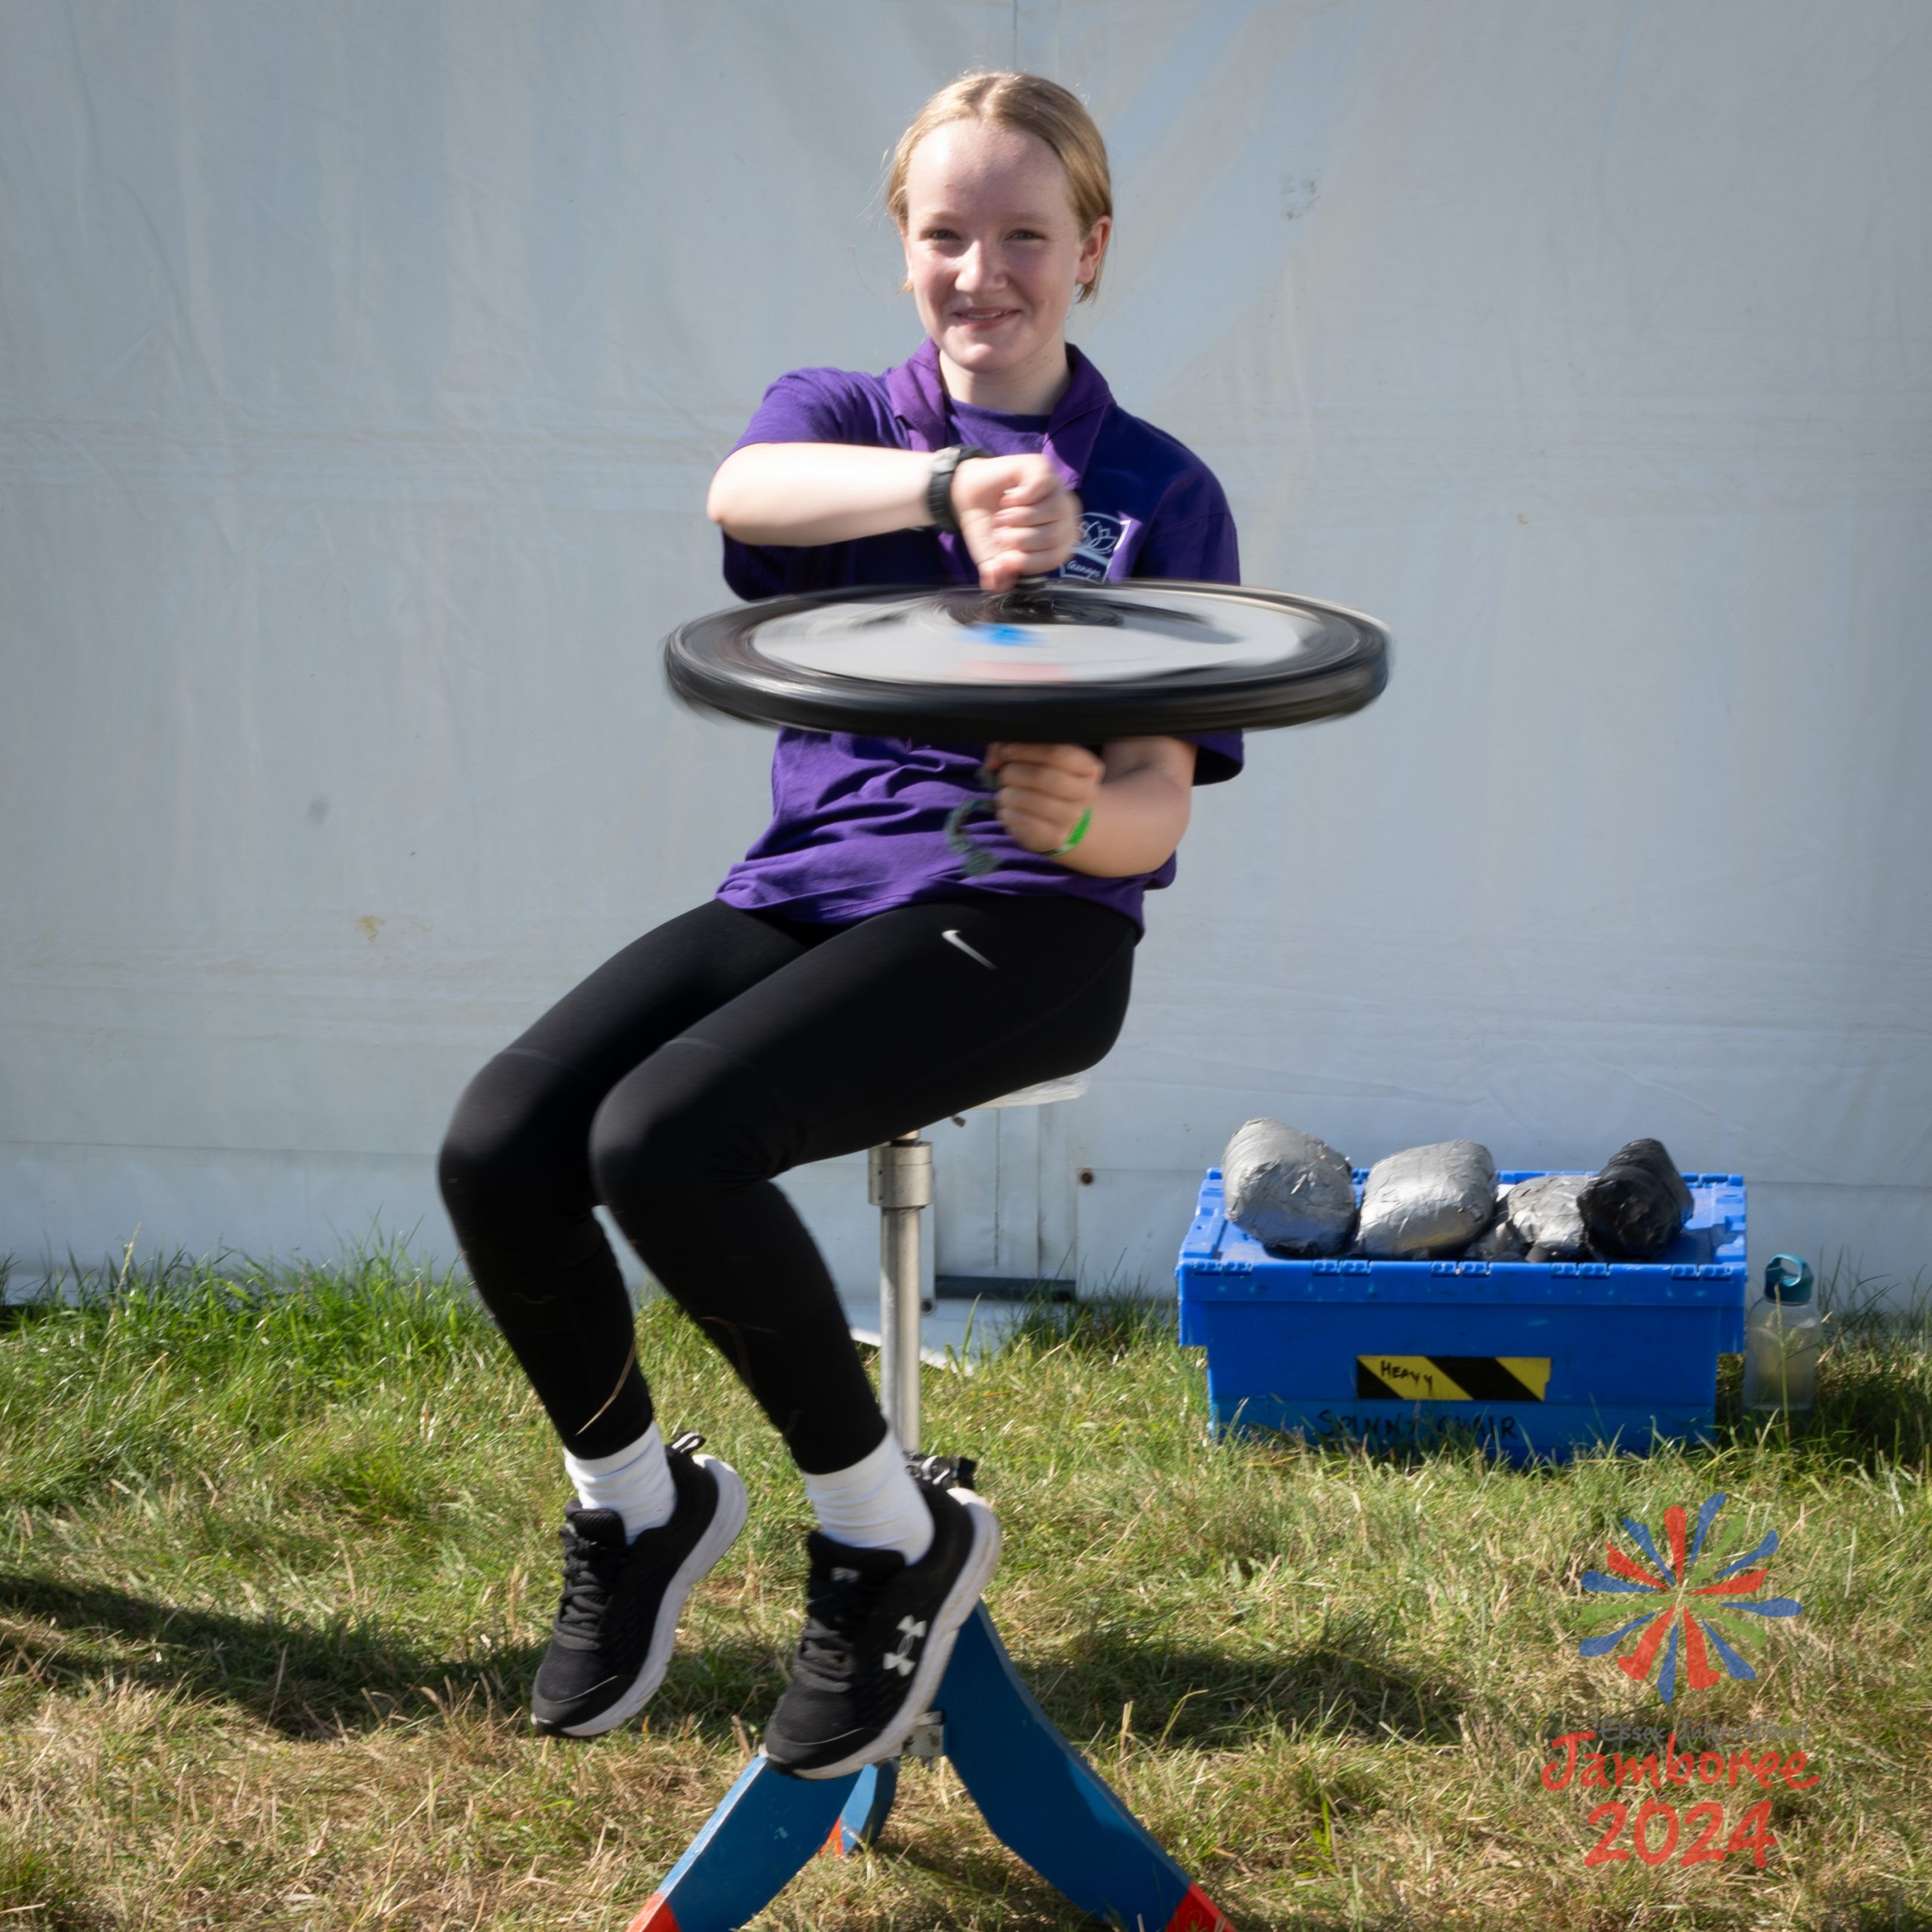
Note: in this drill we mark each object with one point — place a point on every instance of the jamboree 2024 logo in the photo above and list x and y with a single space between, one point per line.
1675 1603
1689 1604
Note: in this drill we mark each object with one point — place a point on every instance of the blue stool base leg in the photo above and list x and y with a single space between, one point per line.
754 1844
1041 1797
1046 1803
866 1810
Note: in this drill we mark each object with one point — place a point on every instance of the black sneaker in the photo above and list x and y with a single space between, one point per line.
878 1633
611 1643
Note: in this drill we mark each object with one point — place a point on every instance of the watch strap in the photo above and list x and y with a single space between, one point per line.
939 512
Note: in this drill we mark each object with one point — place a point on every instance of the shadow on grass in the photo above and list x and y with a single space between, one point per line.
1344 1684
25 1314
1891 1911
982 1874
307 1681
1106 1327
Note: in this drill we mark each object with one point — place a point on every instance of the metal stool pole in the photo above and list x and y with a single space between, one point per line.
900 1185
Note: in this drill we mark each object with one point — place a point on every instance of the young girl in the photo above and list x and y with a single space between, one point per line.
849 982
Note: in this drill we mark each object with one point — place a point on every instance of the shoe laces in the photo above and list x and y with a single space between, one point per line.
591 1571
838 1604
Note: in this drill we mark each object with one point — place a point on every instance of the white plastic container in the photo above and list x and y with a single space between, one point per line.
1782 1335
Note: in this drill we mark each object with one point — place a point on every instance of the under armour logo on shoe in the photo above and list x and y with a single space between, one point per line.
900 1659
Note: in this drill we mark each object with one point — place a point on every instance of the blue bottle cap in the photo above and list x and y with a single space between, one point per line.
1787 1278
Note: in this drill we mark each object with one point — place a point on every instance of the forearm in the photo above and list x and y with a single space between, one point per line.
1134 796
818 493
1139 817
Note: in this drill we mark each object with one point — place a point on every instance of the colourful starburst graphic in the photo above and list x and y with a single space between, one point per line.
1693 1620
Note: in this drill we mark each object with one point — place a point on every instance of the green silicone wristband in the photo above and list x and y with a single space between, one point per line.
1074 837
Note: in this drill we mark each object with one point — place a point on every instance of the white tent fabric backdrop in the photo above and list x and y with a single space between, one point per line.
364 366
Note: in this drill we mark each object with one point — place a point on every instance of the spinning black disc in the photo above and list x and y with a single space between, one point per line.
1049 662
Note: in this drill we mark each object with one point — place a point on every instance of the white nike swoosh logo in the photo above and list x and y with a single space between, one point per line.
952 937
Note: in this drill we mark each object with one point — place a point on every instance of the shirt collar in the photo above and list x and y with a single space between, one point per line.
919 399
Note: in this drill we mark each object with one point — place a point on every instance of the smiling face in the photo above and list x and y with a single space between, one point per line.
995 255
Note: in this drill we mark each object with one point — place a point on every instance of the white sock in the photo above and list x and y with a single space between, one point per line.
636 1482
874 1505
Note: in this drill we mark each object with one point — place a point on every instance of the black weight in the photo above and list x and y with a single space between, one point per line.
1329 661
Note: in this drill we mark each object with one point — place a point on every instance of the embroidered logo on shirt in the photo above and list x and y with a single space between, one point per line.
1100 536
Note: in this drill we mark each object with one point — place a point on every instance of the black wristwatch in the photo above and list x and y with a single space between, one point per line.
939 512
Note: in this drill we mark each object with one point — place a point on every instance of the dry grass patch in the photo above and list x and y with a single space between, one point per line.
276 1563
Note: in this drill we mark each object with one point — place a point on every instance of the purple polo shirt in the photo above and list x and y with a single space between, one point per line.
858 824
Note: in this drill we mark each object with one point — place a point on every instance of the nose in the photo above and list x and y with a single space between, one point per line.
980 268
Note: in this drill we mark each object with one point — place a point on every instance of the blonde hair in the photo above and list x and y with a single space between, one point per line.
1031 106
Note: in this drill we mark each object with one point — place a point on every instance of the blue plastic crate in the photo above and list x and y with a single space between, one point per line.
1534 1359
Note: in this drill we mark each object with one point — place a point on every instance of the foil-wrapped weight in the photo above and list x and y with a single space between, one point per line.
1544 1212
1504 1240
1292 1192
1427 1201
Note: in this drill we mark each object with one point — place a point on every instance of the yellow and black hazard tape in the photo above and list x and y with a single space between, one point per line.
1451 1378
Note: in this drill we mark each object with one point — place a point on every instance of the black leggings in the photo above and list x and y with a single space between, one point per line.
709 1056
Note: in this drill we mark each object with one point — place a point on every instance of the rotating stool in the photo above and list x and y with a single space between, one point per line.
1041 1797
900 1186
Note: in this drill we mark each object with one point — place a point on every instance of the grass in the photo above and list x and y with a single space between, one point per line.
276 1564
